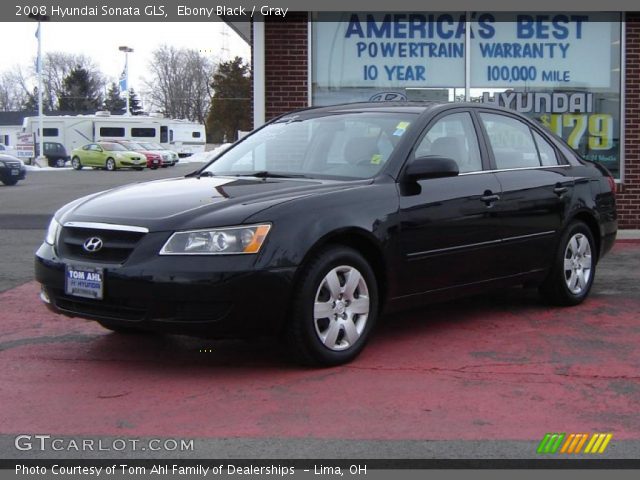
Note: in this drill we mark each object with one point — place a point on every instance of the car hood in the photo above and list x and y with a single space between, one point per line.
191 202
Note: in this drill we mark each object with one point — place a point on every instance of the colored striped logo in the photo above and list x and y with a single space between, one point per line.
574 442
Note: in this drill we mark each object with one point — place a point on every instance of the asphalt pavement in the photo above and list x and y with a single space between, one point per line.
484 377
26 208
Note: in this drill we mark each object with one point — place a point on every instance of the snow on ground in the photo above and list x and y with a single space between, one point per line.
35 168
204 157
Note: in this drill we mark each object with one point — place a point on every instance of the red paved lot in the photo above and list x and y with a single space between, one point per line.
500 368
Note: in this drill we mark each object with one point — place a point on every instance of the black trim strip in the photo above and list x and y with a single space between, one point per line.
439 251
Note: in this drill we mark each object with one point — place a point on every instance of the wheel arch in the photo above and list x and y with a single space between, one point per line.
364 243
590 220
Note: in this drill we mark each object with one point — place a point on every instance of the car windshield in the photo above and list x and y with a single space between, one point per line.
152 146
344 145
132 146
113 147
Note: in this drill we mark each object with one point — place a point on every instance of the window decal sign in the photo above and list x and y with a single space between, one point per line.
428 50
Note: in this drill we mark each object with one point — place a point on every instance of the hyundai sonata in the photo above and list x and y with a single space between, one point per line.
315 224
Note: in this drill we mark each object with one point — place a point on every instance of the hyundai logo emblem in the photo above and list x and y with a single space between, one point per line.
92 244
388 97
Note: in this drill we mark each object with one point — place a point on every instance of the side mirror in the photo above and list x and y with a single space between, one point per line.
431 167
100 149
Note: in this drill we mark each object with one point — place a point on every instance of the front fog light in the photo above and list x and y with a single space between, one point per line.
220 241
44 296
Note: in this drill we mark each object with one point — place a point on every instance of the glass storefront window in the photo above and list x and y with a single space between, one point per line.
562 69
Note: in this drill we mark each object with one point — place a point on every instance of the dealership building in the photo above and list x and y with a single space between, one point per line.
577 73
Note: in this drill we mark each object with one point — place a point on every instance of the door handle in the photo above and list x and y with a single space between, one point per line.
489 198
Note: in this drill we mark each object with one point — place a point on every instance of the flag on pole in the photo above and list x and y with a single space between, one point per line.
38 58
123 81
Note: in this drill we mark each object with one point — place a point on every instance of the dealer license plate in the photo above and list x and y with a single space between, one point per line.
84 281
15 171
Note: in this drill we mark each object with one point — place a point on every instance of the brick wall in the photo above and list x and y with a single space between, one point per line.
286 50
629 192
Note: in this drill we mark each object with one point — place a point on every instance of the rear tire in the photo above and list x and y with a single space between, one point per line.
574 267
110 165
335 308
76 164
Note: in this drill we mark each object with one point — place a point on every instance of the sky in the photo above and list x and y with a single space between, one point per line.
100 42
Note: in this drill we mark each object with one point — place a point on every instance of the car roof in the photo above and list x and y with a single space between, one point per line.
417 107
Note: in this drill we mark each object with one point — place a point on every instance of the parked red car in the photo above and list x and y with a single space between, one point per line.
154 160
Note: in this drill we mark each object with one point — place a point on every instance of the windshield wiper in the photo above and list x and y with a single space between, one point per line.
267 174
203 174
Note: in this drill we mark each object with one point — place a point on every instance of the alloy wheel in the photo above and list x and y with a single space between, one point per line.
577 263
341 308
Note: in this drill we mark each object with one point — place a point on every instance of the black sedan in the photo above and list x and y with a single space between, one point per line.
11 170
315 224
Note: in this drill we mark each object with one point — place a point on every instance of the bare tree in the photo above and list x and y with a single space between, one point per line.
56 67
12 93
179 83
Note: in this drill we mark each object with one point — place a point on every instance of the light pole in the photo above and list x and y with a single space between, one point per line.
127 51
39 19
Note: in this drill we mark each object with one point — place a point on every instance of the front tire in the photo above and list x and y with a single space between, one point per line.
574 267
110 165
334 309
10 182
76 164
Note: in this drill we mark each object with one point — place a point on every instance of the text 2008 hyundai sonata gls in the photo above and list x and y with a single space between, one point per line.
311 226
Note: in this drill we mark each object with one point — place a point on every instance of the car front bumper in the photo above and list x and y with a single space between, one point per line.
189 295
123 163
7 174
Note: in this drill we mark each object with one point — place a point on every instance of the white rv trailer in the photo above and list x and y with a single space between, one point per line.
183 136
74 131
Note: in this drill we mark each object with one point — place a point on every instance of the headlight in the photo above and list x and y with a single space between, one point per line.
52 232
217 241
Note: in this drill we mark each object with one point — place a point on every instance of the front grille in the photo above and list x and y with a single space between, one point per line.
12 164
104 309
139 309
117 244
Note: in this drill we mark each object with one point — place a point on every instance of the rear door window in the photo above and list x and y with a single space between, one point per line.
511 142
547 152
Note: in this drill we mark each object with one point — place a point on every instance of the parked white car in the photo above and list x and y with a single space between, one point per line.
4 149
